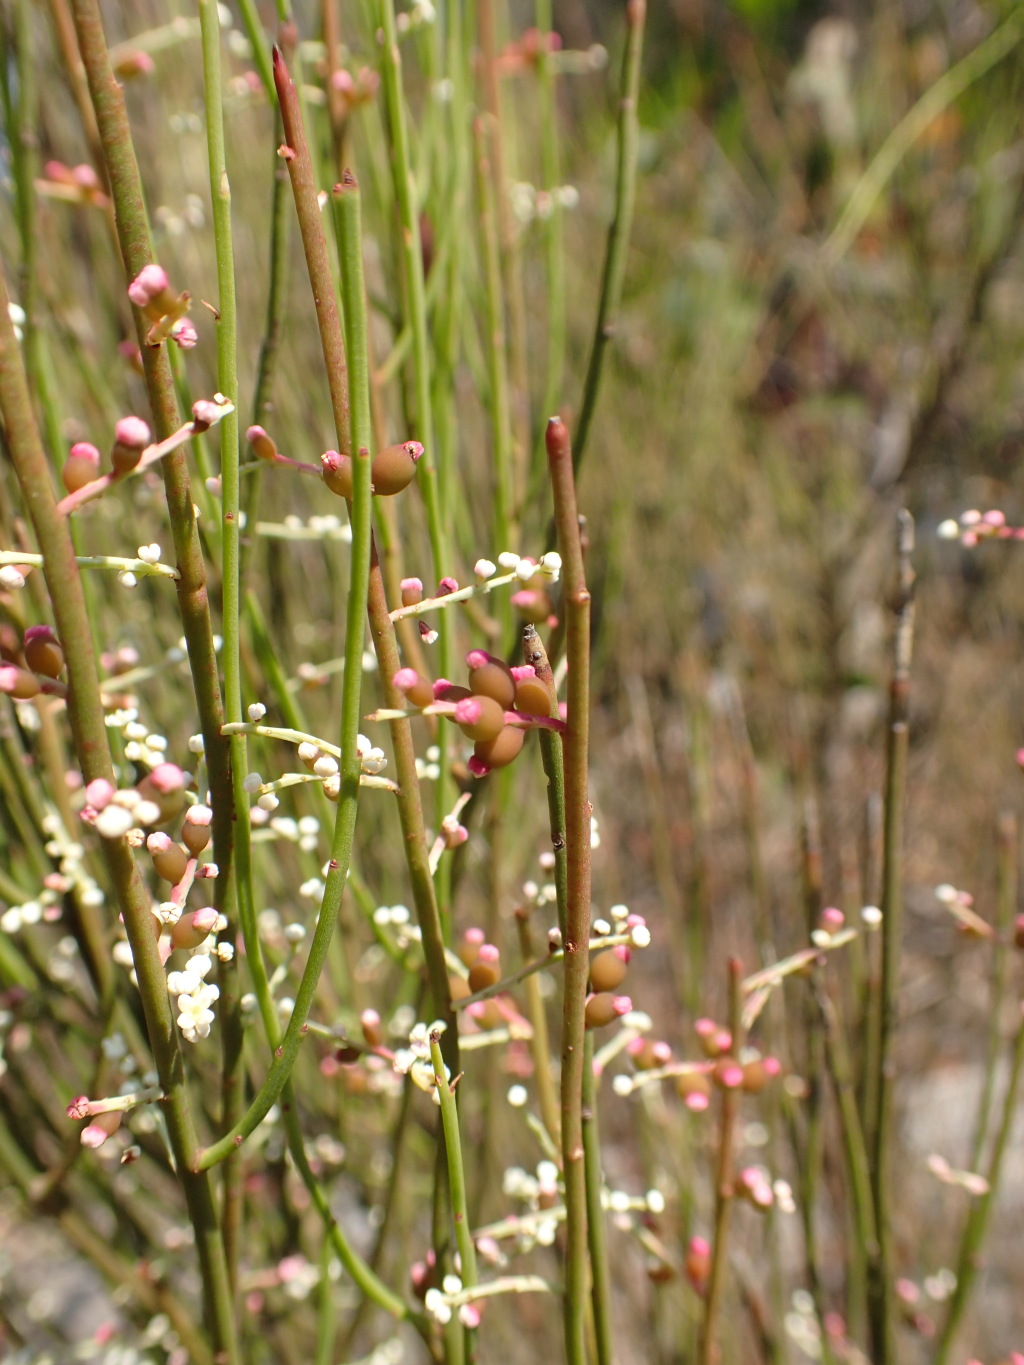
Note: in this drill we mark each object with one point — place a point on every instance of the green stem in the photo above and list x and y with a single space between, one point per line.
575 743
618 233
456 1176
601 1286
227 383
878 1124
496 349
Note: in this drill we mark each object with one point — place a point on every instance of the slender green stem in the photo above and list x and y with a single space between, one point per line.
432 477
554 770
411 251
601 1280
554 225
231 623
878 1124
540 1049
618 233
456 1176
575 743
496 349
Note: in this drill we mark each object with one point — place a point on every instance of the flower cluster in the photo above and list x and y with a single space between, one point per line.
195 996
414 1060
151 292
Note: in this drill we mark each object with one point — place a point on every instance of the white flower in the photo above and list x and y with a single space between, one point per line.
508 559
196 744
948 530
517 1096
149 554
253 782
437 1306
256 712
194 1013
11 576
640 936
374 761
483 568
113 822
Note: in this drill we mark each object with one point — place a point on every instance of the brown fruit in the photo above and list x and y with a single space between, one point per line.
500 751
489 722
394 468
458 986
693 1083
337 472
452 692
532 697
607 970
491 677
600 1010
482 975
79 470
43 653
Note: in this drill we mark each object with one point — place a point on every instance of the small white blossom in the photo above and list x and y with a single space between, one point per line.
437 1306
640 936
253 782
196 744
256 712
149 554
113 822
517 1096
484 568
508 559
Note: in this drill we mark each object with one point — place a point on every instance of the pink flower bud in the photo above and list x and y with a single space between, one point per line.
134 64
96 1132
412 591
131 437
18 682
418 690
79 1108
522 672
262 445
446 586
192 929
99 793
81 466
185 334
167 778
83 450
150 288
204 414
